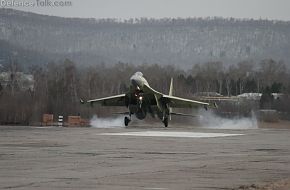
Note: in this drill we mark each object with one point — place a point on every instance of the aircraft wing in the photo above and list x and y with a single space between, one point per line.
176 102
118 100
151 90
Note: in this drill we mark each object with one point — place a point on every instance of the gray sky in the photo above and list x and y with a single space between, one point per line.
266 9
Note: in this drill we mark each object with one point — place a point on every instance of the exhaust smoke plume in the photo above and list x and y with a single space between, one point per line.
116 122
210 120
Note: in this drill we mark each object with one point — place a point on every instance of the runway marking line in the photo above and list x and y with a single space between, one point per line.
171 134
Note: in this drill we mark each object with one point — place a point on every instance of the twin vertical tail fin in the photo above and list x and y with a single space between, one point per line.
170 94
171 88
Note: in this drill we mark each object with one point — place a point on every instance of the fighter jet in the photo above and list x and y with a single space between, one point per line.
141 99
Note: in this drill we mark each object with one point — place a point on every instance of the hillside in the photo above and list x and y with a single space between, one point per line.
180 42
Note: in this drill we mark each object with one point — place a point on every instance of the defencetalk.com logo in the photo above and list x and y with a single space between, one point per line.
35 3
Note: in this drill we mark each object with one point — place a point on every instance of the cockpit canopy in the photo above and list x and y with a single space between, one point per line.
139 74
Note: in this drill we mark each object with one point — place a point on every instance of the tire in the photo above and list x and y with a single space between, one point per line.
126 121
165 122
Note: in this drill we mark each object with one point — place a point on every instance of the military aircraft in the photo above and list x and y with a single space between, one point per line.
142 99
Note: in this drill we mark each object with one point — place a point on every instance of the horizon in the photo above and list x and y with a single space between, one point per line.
127 9
126 19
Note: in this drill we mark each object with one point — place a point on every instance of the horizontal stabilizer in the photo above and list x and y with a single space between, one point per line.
183 114
176 102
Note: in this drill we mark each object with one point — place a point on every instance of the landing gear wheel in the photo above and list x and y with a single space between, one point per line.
126 121
165 122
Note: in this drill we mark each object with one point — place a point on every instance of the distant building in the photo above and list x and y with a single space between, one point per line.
250 96
278 95
208 94
17 80
257 96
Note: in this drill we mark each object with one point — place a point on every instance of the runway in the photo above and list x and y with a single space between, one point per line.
142 158
170 134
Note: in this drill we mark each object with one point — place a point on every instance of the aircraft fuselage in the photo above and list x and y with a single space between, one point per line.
139 101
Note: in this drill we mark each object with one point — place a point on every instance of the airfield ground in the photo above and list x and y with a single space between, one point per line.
90 158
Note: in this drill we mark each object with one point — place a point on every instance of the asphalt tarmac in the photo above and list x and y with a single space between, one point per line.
141 158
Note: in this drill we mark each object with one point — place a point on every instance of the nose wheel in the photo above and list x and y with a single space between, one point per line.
126 121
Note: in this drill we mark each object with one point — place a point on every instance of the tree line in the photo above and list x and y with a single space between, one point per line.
58 86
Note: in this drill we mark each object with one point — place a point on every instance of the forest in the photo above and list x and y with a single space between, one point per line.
58 86
39 39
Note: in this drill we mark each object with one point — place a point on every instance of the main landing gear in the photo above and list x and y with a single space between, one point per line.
165 122
127 121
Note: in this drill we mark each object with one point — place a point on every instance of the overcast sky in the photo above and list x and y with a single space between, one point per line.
266 9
